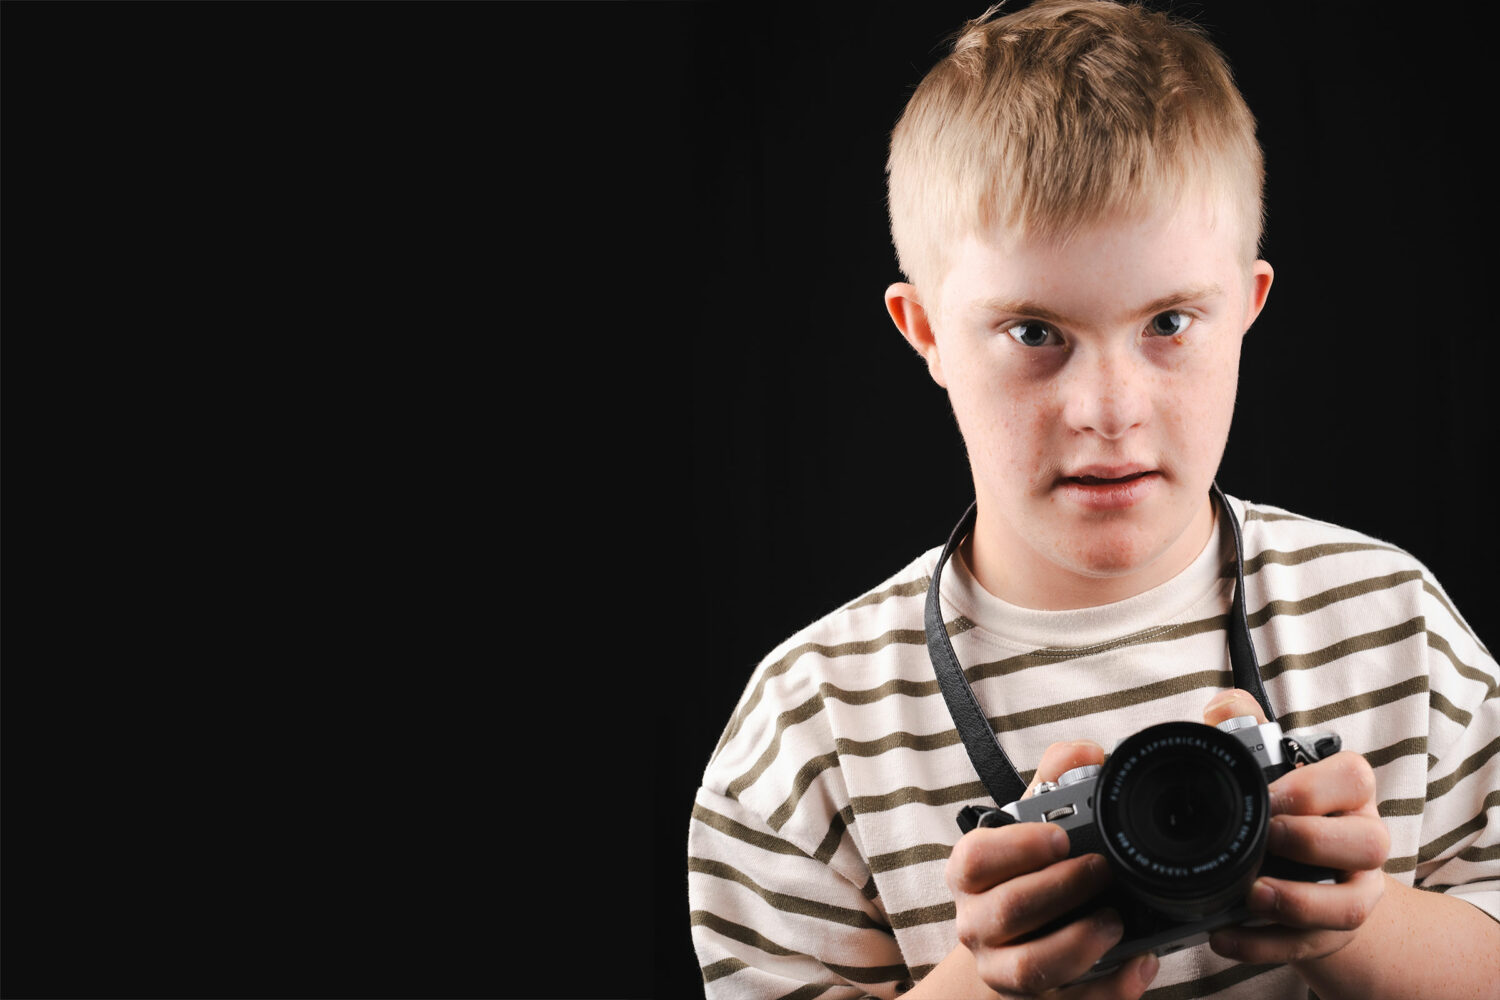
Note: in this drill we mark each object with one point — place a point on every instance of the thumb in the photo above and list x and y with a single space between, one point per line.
1230 704
1060 757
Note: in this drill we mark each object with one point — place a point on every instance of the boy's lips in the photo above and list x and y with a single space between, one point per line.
1096 474
1108 488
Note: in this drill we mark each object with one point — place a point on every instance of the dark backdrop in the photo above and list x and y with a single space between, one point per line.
439 409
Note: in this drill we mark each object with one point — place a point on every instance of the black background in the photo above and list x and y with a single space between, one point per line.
421 418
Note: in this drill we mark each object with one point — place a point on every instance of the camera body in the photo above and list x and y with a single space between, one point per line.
1181 812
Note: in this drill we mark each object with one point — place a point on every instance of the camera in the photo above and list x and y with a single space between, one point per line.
1181 812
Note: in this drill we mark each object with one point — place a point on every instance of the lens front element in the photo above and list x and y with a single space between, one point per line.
1183 811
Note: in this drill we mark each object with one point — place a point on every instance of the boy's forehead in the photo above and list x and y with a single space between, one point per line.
1166 251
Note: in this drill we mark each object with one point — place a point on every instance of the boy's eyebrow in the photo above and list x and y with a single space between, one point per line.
1178 298
1035 310
1018 307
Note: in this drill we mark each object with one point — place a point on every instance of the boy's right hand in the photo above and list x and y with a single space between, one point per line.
1009 881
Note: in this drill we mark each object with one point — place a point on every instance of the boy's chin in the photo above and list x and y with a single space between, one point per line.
1125 557
1067 557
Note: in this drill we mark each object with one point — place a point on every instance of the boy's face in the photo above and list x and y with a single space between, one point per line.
1093 382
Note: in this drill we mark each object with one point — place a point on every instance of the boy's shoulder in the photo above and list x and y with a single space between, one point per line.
891 611
1277 537
1293 557
870 640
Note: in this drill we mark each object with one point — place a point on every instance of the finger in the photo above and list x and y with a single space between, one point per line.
1133 978
1257 945
1230 705
1030 902
984 858
1341 783
1055 959
1349 842
1315 906
1060 757
1127 982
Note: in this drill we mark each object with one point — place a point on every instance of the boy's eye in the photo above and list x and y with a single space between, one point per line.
1170 323
1030 333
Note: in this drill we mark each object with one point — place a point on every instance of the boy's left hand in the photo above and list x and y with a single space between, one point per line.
1321 814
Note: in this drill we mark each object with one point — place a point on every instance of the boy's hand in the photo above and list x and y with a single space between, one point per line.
1010 881
1321 814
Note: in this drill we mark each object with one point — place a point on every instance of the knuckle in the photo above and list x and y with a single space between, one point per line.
1352 774
1009 912
1354 914
971 924
1286 792
967 935
1376 845
964 865
955 870
1360 775
1299 948
1028 973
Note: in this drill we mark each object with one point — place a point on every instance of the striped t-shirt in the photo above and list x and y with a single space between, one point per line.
819 836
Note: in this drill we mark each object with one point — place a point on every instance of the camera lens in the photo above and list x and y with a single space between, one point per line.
1182 810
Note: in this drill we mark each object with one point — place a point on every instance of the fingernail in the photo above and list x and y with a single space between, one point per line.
1221 699
1275 833
1110 923
1147 969
1262 897
1225 943
1060 843
1086 745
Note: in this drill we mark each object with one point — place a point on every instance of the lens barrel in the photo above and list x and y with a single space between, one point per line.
1183 812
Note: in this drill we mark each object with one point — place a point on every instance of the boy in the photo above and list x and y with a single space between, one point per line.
1075 198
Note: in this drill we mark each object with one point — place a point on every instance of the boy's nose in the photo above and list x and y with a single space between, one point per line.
1109 396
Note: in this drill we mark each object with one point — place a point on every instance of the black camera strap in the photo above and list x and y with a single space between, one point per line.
995 770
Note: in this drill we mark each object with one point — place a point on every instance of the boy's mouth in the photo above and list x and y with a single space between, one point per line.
1109 489
1108 480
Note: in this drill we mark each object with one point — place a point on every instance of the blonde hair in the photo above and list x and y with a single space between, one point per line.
1059 115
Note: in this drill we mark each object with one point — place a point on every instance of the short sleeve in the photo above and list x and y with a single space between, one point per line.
769 920
1459 852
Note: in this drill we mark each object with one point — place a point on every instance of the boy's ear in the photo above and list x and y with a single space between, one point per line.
1260 288
910 317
